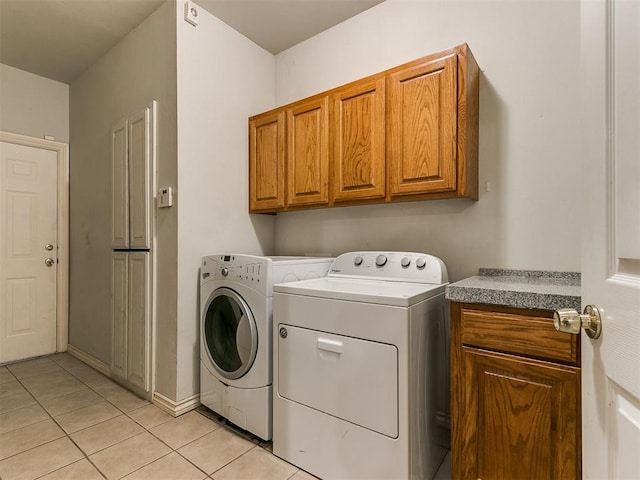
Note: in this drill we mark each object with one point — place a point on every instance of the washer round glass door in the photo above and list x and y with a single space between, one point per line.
230 333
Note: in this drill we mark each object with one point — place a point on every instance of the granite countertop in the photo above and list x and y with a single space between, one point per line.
519 289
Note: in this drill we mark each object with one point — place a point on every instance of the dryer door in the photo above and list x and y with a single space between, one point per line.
230 333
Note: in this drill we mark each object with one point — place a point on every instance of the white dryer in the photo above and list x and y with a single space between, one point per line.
236 333
361 377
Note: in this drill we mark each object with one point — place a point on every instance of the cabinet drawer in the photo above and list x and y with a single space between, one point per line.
521 334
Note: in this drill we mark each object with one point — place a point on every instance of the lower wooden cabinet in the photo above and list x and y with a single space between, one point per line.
514 415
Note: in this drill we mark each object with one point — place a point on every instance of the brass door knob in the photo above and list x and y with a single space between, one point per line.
569 320
49 262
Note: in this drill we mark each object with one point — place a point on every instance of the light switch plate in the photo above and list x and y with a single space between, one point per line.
165 197
191 12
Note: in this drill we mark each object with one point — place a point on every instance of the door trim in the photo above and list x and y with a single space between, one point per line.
62 278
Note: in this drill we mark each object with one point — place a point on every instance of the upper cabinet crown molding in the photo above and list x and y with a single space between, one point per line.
407 133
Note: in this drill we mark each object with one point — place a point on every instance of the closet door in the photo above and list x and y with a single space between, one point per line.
120 184
140 179
139 317
119 313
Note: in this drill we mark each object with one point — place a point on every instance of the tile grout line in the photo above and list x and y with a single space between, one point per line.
126 414
86 456
66 433
56 422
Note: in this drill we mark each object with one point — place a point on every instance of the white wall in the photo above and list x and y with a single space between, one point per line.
140 68
528 52
223 78
33 105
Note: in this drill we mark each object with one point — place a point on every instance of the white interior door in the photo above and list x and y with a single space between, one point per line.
611 237
28 233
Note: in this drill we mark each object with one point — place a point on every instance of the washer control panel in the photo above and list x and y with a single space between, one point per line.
239 268
260 273
391 266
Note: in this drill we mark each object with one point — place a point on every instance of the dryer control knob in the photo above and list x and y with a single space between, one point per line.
381 260
224 271
357 261
405 262
421 262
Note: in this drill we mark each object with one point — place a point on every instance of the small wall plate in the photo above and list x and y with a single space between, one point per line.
191 12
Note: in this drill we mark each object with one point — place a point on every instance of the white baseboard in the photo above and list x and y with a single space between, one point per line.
171 407
176 408
89 360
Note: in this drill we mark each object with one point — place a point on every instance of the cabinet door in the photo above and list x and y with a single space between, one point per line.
266 162
358 140
140 180
422 126
120 184
308 152
139 315
521 417
119 312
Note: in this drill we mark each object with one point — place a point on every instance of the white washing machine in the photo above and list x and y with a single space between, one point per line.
361 376
236 293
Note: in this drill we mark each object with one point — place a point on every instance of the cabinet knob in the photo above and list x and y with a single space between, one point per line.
568 320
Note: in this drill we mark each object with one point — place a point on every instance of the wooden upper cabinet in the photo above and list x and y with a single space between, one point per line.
308 152
422 127
267 162
358 140
408 133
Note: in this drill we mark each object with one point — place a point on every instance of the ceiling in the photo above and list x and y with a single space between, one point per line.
60 39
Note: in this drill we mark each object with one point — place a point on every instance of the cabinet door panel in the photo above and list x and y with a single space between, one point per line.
139 314
307 153
266 162
358 121
120 184
422 128
119 312
526 421
140 180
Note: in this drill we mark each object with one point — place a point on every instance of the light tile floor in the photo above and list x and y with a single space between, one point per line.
60 420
